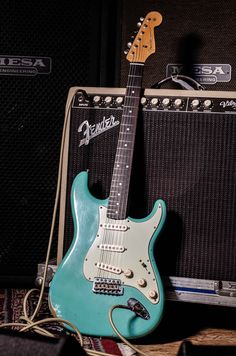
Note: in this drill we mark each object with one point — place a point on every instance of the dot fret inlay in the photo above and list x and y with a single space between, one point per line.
117 205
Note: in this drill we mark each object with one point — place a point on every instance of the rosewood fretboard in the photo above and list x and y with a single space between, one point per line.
117 207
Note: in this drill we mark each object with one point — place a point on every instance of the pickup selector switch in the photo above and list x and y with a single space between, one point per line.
195 103
166 102
207 104
154 102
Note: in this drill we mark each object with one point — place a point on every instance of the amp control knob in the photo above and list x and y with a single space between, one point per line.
154 102
195 103
207 104
166 102
119 100
143 100
96 99
178 103
108 100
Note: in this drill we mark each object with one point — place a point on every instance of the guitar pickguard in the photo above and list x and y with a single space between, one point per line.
120 252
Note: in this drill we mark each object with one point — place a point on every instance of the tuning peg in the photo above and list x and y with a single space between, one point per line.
139 24
141 19
129 44
126 51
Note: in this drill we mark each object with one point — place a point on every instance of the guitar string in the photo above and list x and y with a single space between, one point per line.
107 256
114 237
131 100
124 158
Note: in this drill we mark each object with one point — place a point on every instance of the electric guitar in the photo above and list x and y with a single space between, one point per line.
110 260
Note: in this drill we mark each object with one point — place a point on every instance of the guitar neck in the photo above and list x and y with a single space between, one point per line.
118 199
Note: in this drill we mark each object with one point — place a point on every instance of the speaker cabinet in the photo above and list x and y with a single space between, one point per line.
46 47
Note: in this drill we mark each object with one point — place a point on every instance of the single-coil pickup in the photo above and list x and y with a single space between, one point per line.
111 248
108 268
115 227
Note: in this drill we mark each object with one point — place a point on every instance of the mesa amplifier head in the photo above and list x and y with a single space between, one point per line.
194 39
184 153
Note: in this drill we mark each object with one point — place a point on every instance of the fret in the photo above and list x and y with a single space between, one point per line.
119 190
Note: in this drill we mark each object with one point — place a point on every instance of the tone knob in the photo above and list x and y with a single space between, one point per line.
97 99
108 100
142 282
143 100
154 101
195 103
166 102
152 294
207 104
128 273
119 100
178 103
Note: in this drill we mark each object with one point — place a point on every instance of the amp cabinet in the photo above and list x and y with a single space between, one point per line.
184 154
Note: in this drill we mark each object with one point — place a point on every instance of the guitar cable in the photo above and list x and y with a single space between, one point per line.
28 322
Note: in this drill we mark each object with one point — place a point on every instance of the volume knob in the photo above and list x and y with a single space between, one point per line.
128 273
152 294
142 282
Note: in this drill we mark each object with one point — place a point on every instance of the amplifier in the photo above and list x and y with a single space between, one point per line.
184 154
195 39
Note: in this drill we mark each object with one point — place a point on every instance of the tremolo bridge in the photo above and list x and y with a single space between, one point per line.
107 286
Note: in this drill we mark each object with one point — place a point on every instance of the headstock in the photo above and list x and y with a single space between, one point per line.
144 43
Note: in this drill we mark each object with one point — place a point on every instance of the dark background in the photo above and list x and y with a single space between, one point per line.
85 41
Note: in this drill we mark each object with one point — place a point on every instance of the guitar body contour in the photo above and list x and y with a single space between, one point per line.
108 263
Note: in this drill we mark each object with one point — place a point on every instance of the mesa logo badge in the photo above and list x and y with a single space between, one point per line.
24 65
204 73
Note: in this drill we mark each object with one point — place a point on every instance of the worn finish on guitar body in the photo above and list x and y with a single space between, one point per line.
111 260
71 292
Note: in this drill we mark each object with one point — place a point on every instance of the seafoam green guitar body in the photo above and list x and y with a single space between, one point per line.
71 292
